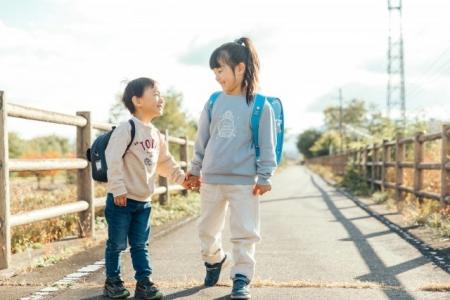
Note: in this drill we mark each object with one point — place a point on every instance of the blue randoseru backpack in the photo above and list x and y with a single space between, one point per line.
277 108
96 154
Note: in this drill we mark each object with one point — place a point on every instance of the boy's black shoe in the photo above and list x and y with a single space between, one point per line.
241 289
145 289
114 289
213 272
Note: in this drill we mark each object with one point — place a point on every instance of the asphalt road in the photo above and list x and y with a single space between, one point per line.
316 244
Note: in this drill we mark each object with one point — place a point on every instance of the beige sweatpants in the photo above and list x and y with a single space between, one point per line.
244 225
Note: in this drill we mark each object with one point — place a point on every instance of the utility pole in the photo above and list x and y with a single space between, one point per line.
395 98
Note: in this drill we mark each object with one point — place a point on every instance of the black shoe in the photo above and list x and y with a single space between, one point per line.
241 287
213 272
145 289
114 289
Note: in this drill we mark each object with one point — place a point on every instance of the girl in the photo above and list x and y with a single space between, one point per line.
231 174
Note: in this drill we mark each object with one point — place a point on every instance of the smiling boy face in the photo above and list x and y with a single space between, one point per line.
151 104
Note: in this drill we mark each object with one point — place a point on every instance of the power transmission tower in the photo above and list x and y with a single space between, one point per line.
396 68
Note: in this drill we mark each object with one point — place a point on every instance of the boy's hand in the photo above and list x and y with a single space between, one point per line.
259 190
193 181
186 184
121 200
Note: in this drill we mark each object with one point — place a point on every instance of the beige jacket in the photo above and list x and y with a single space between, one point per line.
136 173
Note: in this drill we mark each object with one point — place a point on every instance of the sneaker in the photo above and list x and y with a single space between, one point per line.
213 272
241 287
114 289
146 289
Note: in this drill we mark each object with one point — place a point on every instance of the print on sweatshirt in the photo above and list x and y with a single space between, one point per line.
135 174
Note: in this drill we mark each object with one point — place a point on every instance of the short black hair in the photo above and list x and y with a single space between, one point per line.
136 87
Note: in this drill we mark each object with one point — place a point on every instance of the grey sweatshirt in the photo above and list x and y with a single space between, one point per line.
224 153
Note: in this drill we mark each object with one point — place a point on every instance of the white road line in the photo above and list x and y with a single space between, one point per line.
72 278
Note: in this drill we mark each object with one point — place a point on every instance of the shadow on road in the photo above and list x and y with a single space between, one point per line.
379 273
185 293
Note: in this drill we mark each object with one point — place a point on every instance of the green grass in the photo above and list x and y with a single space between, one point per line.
380 197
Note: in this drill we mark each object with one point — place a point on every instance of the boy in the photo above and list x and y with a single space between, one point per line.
131 179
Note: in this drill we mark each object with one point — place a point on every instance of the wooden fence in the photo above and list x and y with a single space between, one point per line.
374 161
85 203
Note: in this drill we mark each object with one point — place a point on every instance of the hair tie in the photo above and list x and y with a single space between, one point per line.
240 42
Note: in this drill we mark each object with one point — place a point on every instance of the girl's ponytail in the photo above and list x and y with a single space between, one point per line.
251 78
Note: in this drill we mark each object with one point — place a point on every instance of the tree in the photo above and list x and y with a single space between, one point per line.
353 114
49 143
16 146
174 119
328 141
306 140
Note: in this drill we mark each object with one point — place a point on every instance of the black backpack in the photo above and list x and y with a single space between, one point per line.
96 154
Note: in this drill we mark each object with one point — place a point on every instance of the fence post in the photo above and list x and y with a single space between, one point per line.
366 166
361 161
373 170
85 183
5 228
184 156
445 174
399 154
383 165
418 159
164 197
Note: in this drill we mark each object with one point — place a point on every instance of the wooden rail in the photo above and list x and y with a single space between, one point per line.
85 203
373 162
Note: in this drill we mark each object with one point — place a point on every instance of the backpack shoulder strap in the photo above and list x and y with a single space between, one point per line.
258 108
133 133
211 101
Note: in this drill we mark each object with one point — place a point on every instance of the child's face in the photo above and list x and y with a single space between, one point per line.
151 104
230 81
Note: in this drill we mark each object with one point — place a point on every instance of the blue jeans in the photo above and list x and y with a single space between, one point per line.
132 223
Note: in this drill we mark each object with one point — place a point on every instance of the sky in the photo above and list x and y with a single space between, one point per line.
69 56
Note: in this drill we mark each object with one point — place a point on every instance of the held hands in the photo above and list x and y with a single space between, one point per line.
191 182
194 182
259 190
121 200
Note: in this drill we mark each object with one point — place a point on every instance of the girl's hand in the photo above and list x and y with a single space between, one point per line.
259 190
186 184
193 181
121 200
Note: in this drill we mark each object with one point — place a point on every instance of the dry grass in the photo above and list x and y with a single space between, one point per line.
325 172
25 196
266 283
429 213
436 287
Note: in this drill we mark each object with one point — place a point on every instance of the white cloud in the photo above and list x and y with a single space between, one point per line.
308 49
